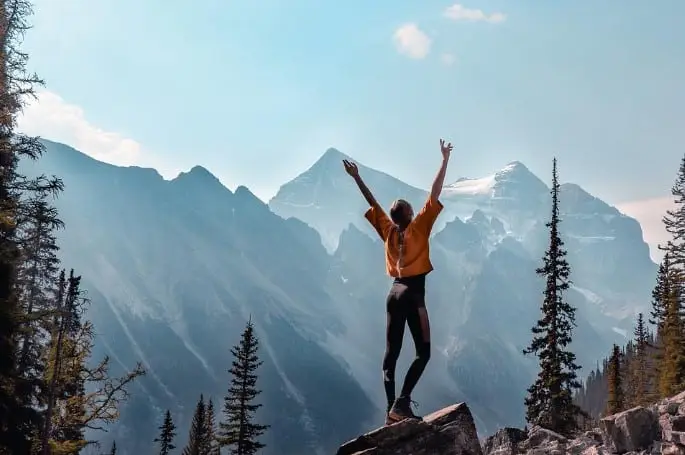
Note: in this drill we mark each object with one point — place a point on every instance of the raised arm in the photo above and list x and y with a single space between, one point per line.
439 181
351 169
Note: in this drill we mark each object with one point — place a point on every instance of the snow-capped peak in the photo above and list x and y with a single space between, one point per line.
514 172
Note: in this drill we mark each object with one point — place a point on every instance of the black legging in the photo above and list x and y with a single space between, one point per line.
405 299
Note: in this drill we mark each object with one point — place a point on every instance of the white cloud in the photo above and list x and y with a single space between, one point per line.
411 41
459 12
53 118
448 59
649 212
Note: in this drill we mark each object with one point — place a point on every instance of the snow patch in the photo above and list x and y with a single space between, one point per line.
471 187
589 295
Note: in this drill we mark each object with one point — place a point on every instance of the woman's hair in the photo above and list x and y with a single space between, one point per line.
398 211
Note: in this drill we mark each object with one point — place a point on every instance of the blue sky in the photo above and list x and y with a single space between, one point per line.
257 90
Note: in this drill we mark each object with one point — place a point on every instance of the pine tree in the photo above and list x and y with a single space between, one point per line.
19 419
639 372
615 402
674 222
549 401
239 432
69 409
36 281
210 445
660 293
197 435
671 358
166 436
113 451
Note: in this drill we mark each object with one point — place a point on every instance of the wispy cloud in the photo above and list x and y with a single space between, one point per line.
458 12
411 41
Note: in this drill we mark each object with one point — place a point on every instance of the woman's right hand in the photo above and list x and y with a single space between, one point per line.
351 168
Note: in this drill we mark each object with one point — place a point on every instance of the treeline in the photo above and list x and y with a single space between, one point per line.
649 367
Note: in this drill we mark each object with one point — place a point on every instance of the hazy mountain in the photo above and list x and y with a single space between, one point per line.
174 269
323 197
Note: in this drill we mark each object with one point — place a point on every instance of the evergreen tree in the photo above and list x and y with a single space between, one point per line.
19 419
69 409
615 402
210 445
639 372
166 436
674 222
113 451
671 358
660 293
197 435
238 431
37 276
550 401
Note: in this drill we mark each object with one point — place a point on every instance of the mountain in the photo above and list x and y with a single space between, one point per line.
175 268
323 197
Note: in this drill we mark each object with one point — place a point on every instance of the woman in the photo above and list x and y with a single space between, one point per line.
407 260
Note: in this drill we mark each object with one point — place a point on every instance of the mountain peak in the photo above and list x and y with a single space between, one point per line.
513 166
198 175
514 174
331 158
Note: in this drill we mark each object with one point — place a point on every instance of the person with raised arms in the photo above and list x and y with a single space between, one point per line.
407 261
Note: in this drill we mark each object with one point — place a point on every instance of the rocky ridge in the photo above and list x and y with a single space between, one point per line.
652 430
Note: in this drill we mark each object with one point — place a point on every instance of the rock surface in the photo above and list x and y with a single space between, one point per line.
653 430
658 429
450 431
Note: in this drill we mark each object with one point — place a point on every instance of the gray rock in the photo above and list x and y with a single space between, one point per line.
632 430
450 431
504 442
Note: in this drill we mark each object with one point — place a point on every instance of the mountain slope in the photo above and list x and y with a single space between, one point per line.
174 269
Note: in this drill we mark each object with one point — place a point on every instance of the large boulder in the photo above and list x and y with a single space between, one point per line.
505 442
630 431
450 431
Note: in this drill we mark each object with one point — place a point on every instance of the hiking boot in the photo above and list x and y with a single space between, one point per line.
402 410
389 420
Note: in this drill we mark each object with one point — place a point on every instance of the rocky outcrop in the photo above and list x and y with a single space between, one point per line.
658 429
450 431
653 430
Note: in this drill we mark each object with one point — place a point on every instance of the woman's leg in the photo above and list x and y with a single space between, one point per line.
396 319
417 319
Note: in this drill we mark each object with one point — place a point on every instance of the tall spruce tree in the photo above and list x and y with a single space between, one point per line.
113 450
167 432
674 222
639 371
19 419
615 402
661 293
210 445
671 360
198 430
238 431
549 402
